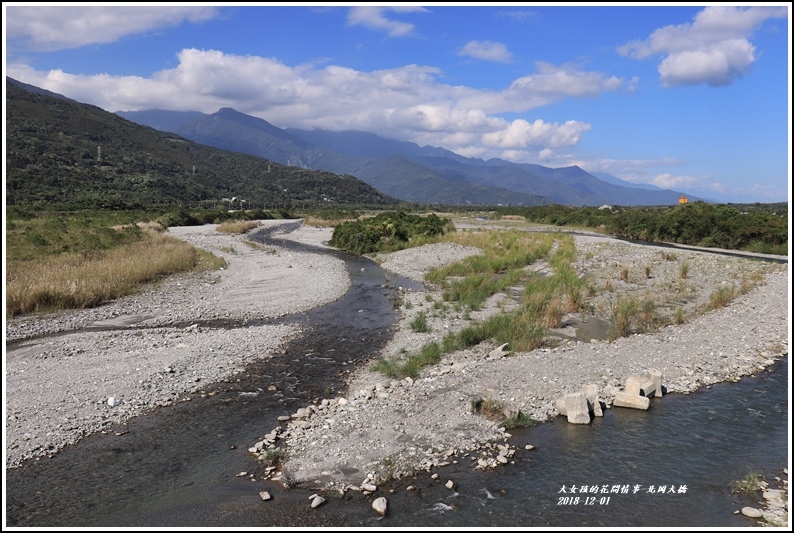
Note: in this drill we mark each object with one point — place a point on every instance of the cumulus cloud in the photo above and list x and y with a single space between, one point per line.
51 28
713 49
670 181
521 134
374 17
406 103
486 51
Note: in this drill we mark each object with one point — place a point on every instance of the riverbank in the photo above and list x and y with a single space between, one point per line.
381 427
73 373
386 428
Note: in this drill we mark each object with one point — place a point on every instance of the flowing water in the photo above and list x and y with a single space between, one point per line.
177 466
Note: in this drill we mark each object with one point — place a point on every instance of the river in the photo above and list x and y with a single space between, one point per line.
178 466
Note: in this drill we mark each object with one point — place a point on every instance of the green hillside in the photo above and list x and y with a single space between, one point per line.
69 155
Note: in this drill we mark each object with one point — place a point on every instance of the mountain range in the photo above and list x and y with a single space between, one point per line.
402 169
64 153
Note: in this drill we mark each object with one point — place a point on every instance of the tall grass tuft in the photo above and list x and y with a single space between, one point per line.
419 323
622 312
721 296
81 280
237 226
683 270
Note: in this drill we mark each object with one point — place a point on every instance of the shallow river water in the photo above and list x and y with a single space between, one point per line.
177 466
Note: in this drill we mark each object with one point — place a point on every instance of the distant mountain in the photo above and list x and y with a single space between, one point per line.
405 170
393 175
36 90
65 153
161 119
614 180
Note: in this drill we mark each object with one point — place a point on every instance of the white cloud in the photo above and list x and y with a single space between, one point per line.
406 103
48 28
713 49
374 17
521 134
486 51
716 65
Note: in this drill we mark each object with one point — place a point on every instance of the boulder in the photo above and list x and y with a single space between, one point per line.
634 401
634 385
381 505
593 403
576 408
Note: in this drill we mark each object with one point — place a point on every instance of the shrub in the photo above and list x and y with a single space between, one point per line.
683 270
237 226
419 323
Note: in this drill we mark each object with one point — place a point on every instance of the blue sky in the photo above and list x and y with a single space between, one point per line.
695 98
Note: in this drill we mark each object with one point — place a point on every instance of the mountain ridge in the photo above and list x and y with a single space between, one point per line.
367 156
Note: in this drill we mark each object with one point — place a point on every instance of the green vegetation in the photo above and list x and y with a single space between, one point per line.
419 324
386 232
63 154
79 280
66 260
524 328
274 457
518 420
761 228
749 485
237 226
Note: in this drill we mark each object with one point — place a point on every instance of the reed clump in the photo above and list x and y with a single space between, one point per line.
237 226
87 279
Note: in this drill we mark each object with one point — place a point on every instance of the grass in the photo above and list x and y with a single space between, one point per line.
543 304
419 324
721 296
683 270
237 226
78 260
274 457
622 311
82 280
519 420
749 485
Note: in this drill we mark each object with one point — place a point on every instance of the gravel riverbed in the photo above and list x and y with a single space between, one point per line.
59 387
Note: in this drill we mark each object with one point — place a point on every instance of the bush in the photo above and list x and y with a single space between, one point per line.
385 232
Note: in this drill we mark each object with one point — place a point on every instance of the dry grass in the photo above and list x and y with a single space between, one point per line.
80 280
237 226
624 273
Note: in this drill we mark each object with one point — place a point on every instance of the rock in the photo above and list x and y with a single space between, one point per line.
655 389
634 385
502 459
265 496
752 512
576 408
369 487
380 505
498 353
634 401
450 485
317 501
593 403
114 402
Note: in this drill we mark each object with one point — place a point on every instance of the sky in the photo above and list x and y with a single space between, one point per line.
694 98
